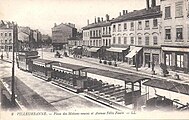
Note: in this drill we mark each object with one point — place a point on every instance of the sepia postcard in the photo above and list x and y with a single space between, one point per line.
94 59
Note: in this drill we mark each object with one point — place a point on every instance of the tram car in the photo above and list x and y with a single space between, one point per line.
24 59
42 68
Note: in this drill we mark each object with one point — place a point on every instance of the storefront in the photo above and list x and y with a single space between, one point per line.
176 58
116 54
93 52
151 55
135 56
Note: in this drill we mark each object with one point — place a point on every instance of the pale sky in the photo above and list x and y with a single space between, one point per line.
42 14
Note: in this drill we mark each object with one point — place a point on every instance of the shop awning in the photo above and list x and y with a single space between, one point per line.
168 85
133 52
116 49
175 49
93 49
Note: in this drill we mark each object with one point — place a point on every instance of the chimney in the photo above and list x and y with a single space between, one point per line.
153 3
98 19
54 24
95 19
87 22
147 4
126 11
107 17
119 13
123 12
101 19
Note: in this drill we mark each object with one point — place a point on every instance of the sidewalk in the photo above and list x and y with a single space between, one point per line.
184 78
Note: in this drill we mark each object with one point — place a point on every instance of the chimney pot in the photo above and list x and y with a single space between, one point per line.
119 13
102 19
95 19
98 19
153 3
126 11
123 12
147 4
87 22
107 17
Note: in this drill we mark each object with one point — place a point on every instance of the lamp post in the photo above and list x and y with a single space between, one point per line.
13 61
136 61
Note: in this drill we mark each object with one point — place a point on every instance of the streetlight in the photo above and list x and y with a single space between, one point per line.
136 61
13 61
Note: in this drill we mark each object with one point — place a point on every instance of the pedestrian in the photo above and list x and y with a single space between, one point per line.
1 56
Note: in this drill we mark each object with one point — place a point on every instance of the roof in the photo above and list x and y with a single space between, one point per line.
42 61
127 77
168 85
100 24
68 66
140 14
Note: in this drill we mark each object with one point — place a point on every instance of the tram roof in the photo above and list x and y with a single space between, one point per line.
43 61
168 85
68 66
127 77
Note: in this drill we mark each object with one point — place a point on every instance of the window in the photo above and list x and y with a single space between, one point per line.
167 34
179 34
155 39
103 30
155 23
180 60
103 42
96 42
114 40
125 40
5 34
5 41
167 12
179 9
106 30
119 27
139 25
91 33
1 34
93 42
9 34
109 41
10 41
97 33
132 40
147 25
125 26
114 28
109 30
139 40
119 40
132 25
168 59
100 42
147 40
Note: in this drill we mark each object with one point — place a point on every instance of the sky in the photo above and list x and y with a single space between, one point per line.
42 14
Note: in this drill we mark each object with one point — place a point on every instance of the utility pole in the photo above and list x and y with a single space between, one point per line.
13 61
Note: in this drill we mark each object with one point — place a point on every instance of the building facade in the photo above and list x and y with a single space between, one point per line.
6 36
175 34
140 31
61 33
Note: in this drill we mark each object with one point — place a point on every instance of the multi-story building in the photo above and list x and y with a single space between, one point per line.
140 31
97 36
24 37
175 34
61 33
6 35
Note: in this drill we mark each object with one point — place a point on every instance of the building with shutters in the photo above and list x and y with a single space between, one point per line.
175 34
